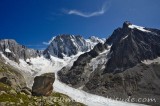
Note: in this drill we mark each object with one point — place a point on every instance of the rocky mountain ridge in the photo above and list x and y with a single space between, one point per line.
116 67
14 51
60 46
68 45
132 44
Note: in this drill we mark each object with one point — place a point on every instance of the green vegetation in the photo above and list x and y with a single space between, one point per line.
8 96
4 87
11 96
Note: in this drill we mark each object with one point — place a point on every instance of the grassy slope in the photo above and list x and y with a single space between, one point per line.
9 96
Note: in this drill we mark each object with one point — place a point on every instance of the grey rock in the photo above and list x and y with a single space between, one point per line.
2 92
140 81
26 90
12 92
3 103
11 76
43 85
15 51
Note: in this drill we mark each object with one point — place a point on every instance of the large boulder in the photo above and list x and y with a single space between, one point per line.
43 85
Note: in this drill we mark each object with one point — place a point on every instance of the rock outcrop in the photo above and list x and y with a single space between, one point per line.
43 85
140 81
11 76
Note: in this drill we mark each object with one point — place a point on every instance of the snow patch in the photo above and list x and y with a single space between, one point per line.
138 27
99 60
70 60
92 41
41 65
7 50
125 37
148 62
96 39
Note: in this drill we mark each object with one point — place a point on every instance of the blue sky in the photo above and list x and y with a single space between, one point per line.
32 22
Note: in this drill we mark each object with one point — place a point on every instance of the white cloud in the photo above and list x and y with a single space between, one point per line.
104 8
46 43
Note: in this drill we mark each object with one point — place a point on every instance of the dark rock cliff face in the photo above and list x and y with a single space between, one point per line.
130 47
123 74
14 51
140 81
80 72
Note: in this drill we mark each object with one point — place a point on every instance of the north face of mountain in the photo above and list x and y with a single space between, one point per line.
14 51
67 45
132 44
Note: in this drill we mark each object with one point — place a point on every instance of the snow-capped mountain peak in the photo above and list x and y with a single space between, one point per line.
68 45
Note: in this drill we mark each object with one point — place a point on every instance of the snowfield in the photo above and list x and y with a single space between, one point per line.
36 66
87 98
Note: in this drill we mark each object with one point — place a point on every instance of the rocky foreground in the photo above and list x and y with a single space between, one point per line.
13 90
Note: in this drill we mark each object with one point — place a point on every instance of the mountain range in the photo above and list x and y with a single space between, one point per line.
126 64
119 67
